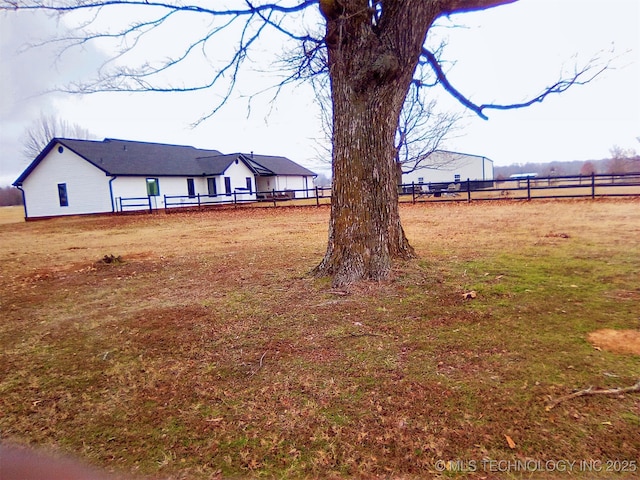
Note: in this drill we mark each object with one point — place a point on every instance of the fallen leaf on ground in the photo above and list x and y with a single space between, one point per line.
510 441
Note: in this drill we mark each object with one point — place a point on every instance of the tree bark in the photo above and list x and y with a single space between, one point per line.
365 232
371 65
373 49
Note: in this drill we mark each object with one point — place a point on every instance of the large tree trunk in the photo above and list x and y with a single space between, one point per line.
364 229
371 65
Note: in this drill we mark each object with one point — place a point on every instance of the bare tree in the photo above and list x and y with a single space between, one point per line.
587 169
623 160
41 131
421 131
370 50
10 196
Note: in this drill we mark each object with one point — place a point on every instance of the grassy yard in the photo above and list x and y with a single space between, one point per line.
195 345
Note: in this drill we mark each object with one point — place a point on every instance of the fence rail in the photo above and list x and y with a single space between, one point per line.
532 188
124 204
593 186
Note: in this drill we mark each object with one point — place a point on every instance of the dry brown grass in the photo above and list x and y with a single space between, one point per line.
11 215
209 351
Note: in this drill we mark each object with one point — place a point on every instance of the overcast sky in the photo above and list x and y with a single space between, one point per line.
502 55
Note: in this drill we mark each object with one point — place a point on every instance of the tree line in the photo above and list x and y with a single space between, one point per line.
620 162
10 196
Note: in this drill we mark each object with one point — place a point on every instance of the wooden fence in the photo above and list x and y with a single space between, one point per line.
312 196
591 186
531 188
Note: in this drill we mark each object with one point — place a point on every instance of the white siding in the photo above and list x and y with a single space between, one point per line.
266 184
136 187
87 186
447 167
287 182
238 172
128 188
90 190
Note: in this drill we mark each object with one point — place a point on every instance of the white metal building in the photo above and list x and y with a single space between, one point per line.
443 166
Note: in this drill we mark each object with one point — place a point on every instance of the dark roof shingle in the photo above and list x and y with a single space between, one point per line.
277 165
125 157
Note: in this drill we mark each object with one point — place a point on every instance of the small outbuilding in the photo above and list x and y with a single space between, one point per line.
444 167
75 177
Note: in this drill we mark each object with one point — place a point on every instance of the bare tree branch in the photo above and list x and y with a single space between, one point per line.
256 17
421 131
61 7
580 76
458 6
119 75
590 391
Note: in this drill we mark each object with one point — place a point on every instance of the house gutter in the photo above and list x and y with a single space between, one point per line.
113 203
24 201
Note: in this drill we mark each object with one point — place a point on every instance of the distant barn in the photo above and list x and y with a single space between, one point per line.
443 167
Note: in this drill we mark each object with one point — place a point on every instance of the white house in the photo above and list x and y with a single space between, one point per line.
281 175
442 167
74 177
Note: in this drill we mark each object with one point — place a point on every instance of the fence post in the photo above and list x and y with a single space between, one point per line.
593 185
151 206
317 197
273 195
413 192
468 190
199 202
235 199
528 188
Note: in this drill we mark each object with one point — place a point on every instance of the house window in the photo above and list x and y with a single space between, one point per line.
153 187
211 186
249 187
62 195
227 185
456 177
191 187
420 179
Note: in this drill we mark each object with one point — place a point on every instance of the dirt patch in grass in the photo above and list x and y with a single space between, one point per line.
618 341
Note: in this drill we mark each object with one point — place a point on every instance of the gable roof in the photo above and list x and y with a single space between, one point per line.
125 157
455 155
269 165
